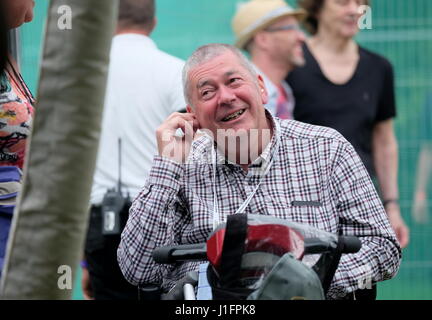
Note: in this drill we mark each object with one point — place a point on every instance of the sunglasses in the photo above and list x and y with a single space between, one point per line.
283 28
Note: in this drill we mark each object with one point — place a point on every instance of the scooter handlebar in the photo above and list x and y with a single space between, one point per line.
183 252
350 244
188 252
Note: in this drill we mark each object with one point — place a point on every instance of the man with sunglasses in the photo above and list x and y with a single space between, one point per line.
269 31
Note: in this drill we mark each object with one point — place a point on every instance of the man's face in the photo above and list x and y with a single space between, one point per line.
225 95
285 45
18 12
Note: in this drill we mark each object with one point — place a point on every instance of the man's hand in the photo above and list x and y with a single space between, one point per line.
86 285
398 225
172 146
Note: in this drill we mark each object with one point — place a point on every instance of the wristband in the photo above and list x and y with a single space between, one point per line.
84 264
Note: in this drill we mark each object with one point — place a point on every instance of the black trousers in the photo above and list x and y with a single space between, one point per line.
106 278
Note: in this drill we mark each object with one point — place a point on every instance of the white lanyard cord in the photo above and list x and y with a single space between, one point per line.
241 209
250 196
216 217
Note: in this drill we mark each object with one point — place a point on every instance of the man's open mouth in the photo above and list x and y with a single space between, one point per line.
234 115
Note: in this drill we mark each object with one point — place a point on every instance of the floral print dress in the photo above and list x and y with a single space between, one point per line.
16 115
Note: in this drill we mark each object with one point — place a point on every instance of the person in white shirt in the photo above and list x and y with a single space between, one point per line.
144 87
269 31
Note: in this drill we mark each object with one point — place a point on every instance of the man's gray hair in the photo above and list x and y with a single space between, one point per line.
206 53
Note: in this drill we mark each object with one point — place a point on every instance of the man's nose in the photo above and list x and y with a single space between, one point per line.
226 95
301 36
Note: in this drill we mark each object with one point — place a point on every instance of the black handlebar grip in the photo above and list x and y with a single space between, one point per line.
317 245
172 254
163 254
350 244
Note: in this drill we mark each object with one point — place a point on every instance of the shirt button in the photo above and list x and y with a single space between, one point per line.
177 177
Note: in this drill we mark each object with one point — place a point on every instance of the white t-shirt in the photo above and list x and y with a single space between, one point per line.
144 87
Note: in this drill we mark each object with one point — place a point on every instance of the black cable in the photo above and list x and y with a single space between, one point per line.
21 85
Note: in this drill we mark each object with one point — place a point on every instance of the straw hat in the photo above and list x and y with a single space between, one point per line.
256 15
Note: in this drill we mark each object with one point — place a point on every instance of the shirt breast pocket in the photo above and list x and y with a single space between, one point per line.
298 209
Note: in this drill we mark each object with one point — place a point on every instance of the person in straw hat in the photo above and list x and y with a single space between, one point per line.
269 31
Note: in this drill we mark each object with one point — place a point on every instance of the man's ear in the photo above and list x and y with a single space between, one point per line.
153 25
189 109
263 90
260 39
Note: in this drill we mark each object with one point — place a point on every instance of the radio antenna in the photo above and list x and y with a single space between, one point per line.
119 165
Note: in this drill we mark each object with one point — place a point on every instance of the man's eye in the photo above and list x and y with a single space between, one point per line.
233 80
206 93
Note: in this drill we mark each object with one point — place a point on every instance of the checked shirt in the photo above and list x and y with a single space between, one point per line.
309 163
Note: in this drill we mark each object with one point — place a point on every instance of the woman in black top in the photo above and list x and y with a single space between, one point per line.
350 89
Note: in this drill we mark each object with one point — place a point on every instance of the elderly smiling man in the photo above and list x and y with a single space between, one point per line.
199 181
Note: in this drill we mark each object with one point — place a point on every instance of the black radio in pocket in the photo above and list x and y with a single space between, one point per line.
112 206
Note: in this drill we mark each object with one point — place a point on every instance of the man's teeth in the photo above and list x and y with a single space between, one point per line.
234 115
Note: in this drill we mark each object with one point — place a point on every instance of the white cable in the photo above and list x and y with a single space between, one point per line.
189 292
241 209
216 217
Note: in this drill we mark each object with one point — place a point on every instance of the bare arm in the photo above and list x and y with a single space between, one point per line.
424 168
424 174
385 156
